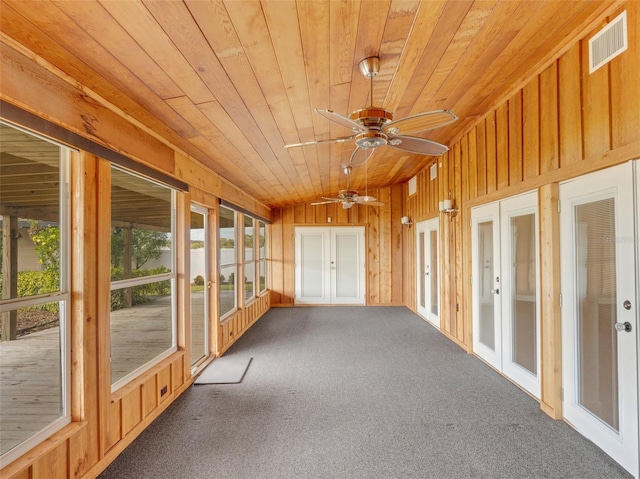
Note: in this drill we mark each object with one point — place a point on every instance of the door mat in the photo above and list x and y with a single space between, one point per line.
225 370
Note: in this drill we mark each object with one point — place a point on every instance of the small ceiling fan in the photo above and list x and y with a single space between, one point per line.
349 197
374 126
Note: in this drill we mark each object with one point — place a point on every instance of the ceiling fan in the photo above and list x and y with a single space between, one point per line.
374 126
349 197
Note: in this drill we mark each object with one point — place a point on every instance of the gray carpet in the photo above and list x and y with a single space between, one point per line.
358 392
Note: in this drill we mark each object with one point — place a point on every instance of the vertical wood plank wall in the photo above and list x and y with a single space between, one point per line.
561 124
104 423
383 243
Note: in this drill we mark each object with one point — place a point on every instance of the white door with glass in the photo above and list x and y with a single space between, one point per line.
200 284
599 267
329 265
427 254
505 292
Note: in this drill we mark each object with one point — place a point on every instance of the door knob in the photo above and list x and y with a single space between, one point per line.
626 327
495 291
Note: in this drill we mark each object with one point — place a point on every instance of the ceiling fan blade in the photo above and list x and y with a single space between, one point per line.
341 120
360 156
417 145
364 199
328 201
340 139
370 203
420 122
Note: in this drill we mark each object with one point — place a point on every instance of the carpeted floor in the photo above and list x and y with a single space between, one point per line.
358 392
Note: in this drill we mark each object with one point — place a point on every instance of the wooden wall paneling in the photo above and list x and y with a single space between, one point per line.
321 214
53 465
25 473
502 146
492 174
181 369
396 244
457 225
385 254
212 287
531 129
275 259
114 424
310 213
515 138
149 392
373 256
131 410
84 311
624 81
342 215
595 109
481 159
103 283
299 213
288 256
183 265
472 169
549 119
164 380
570 107
550 325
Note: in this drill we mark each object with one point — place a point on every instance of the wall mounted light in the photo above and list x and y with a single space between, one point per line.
406 221
446 206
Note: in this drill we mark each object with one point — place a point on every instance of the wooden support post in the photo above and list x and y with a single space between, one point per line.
9 274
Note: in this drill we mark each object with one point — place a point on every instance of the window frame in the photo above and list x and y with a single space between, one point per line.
62 296
260 259
253 261
143 280
236 263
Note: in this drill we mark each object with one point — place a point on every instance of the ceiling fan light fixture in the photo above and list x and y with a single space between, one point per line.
346 205
395 141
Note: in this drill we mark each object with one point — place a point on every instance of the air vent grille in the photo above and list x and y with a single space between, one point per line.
608 43
433 172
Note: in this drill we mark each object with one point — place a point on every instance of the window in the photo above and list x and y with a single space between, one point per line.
262 256
227 261
142 318
249 259
34 336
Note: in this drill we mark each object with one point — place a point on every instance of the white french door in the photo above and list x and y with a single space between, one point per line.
599 267
427 254
201 284
329 265
505 288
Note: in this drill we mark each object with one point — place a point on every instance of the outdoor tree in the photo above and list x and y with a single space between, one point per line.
145 245
47 244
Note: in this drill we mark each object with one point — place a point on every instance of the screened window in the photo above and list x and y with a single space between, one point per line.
142 318
199 260
34 259
262 256
249 259
227 261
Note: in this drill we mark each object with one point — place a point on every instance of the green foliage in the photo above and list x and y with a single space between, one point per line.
197 244
145 245
32 283
248 241
141 294
227 243
198 281
47 243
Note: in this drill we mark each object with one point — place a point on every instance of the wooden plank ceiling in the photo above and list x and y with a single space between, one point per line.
231 82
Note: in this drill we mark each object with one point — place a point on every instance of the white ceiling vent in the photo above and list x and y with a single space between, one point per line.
608 43
433 172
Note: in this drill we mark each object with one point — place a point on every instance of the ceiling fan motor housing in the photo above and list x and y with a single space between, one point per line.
373 119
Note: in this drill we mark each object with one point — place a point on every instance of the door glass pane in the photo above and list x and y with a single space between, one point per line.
347 265
433 270
596 289
422 272
523 292
198 287
312 265
485 296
